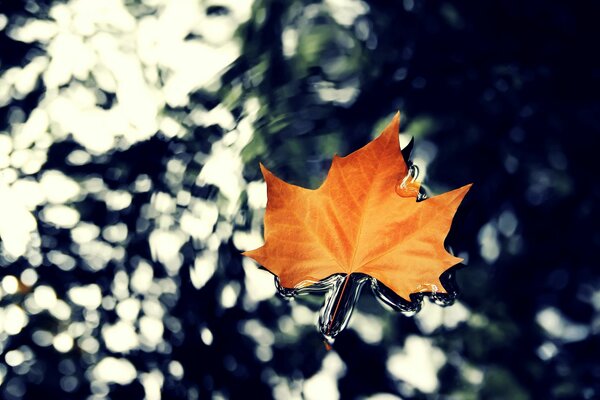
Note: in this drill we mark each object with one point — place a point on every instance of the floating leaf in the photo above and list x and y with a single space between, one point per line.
364 220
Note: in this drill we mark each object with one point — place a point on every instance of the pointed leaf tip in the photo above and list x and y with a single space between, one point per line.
390 134
396 122
265 171
463 190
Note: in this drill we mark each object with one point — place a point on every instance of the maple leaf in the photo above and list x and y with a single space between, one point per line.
364 218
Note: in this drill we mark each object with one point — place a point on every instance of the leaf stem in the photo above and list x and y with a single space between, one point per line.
337 306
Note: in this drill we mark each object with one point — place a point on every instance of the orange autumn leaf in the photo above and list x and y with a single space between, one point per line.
363 219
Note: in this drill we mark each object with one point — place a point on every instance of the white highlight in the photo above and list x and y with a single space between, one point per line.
117 370
417 364
16 223
431 316
12 319
120 337
88 296
557 326
63 342
323 385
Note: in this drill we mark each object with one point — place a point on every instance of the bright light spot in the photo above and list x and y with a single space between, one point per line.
63 342
79 157
257 195
153 308
89 345
558 326
34 30
383 396
76 329
58 188
264 353
37 123
284 389
258 332
94 184
489 244
141 279
229 295
431 316
115 233
97 254
206 336
472 375
417 364
128 309
29 277
6 145
176 369
120 337
368 327
547 351
152 383
84 232
88 296
28 161
25 79
14 358
31 307
223 169
13 320
165 246
329 93
120 286
323 385
29 193
8 175
142 184
200 220
170 127
117 370
289 40
204 268
345 12
247 240
60 216
152 330
45 297
10 284
61 260
163 202
61 311
16 223
259 284
287 325
455 315
302 315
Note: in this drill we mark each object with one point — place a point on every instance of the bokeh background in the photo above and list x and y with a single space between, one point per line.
130 136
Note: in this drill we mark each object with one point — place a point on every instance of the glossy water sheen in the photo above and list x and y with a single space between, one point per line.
342 292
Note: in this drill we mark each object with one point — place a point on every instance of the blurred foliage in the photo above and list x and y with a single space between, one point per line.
502 94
